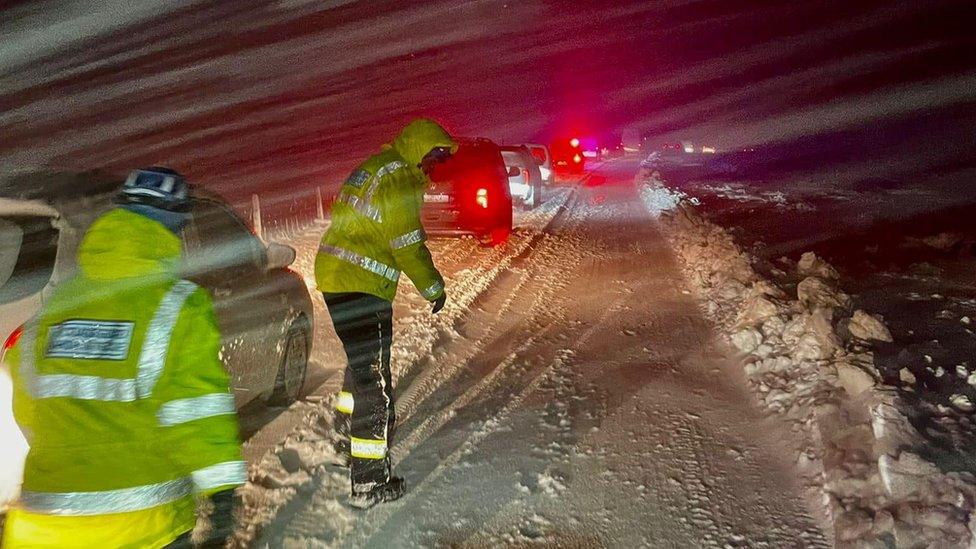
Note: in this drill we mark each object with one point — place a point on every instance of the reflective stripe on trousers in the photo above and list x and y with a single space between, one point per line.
363 262
365 448
152 359
345 402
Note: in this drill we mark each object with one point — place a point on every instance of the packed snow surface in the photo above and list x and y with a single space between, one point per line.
571 394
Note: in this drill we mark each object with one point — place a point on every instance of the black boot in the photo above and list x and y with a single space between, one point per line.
341 448
391 490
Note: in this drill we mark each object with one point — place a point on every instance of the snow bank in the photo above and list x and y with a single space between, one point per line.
659 199
808 360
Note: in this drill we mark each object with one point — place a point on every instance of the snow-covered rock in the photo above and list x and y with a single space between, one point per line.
868 327
962 402
814 292
892 430
812 335
853 525
757 310
905 476
659 199
747 340
812 265
766 288
906 376
853 379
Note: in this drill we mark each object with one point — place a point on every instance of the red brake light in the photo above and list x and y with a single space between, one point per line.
482 198
12 340
577 159
574 142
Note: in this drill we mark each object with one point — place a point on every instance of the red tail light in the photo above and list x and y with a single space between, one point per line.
482 198
574 142
12 340
577 159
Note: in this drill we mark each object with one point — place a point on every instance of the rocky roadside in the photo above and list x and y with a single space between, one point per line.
808 359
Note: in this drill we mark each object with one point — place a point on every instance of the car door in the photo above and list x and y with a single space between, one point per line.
223 255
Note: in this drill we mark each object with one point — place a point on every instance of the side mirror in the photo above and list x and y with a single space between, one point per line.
514 171
280 256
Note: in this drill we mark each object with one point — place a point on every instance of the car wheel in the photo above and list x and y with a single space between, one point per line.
294 365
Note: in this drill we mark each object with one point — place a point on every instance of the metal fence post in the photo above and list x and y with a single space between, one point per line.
319 210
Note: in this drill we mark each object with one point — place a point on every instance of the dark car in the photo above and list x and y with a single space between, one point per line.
469 194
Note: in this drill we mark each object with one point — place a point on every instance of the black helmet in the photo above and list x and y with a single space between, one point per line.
156 187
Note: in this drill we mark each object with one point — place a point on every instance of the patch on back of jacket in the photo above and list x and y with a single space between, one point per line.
90 339
358 178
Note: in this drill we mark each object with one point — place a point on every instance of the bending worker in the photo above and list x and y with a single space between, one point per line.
120 392
376 234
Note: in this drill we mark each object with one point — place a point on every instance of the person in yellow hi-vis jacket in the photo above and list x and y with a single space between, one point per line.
376 234
121 394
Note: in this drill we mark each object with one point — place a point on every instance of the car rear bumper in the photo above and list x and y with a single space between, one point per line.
450 222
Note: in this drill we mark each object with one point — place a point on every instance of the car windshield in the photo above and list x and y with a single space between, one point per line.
473 163
539 154
28 249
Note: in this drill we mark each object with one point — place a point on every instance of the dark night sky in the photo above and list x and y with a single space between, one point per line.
257 94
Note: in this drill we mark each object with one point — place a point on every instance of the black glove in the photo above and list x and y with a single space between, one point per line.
439 303
221 519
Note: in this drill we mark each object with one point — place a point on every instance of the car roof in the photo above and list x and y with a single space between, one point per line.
55 186
19 207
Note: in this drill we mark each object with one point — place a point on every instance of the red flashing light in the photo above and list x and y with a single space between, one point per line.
574 142
482 198
12 340
577 159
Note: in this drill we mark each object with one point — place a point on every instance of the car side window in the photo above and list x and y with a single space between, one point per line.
217 240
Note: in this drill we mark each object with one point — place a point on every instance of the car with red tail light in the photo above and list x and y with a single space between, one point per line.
469 194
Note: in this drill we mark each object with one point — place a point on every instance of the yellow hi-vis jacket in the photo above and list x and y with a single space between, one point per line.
120 392
376 232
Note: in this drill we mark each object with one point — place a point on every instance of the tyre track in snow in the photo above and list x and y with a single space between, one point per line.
489 376
470 270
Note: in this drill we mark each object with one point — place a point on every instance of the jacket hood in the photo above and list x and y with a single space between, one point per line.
419 138
123 244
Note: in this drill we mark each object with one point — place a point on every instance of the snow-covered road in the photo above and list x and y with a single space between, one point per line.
570 395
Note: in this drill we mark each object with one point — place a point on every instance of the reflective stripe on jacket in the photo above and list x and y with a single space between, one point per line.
121 394
376 232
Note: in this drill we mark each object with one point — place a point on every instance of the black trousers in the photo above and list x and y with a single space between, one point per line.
364 324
